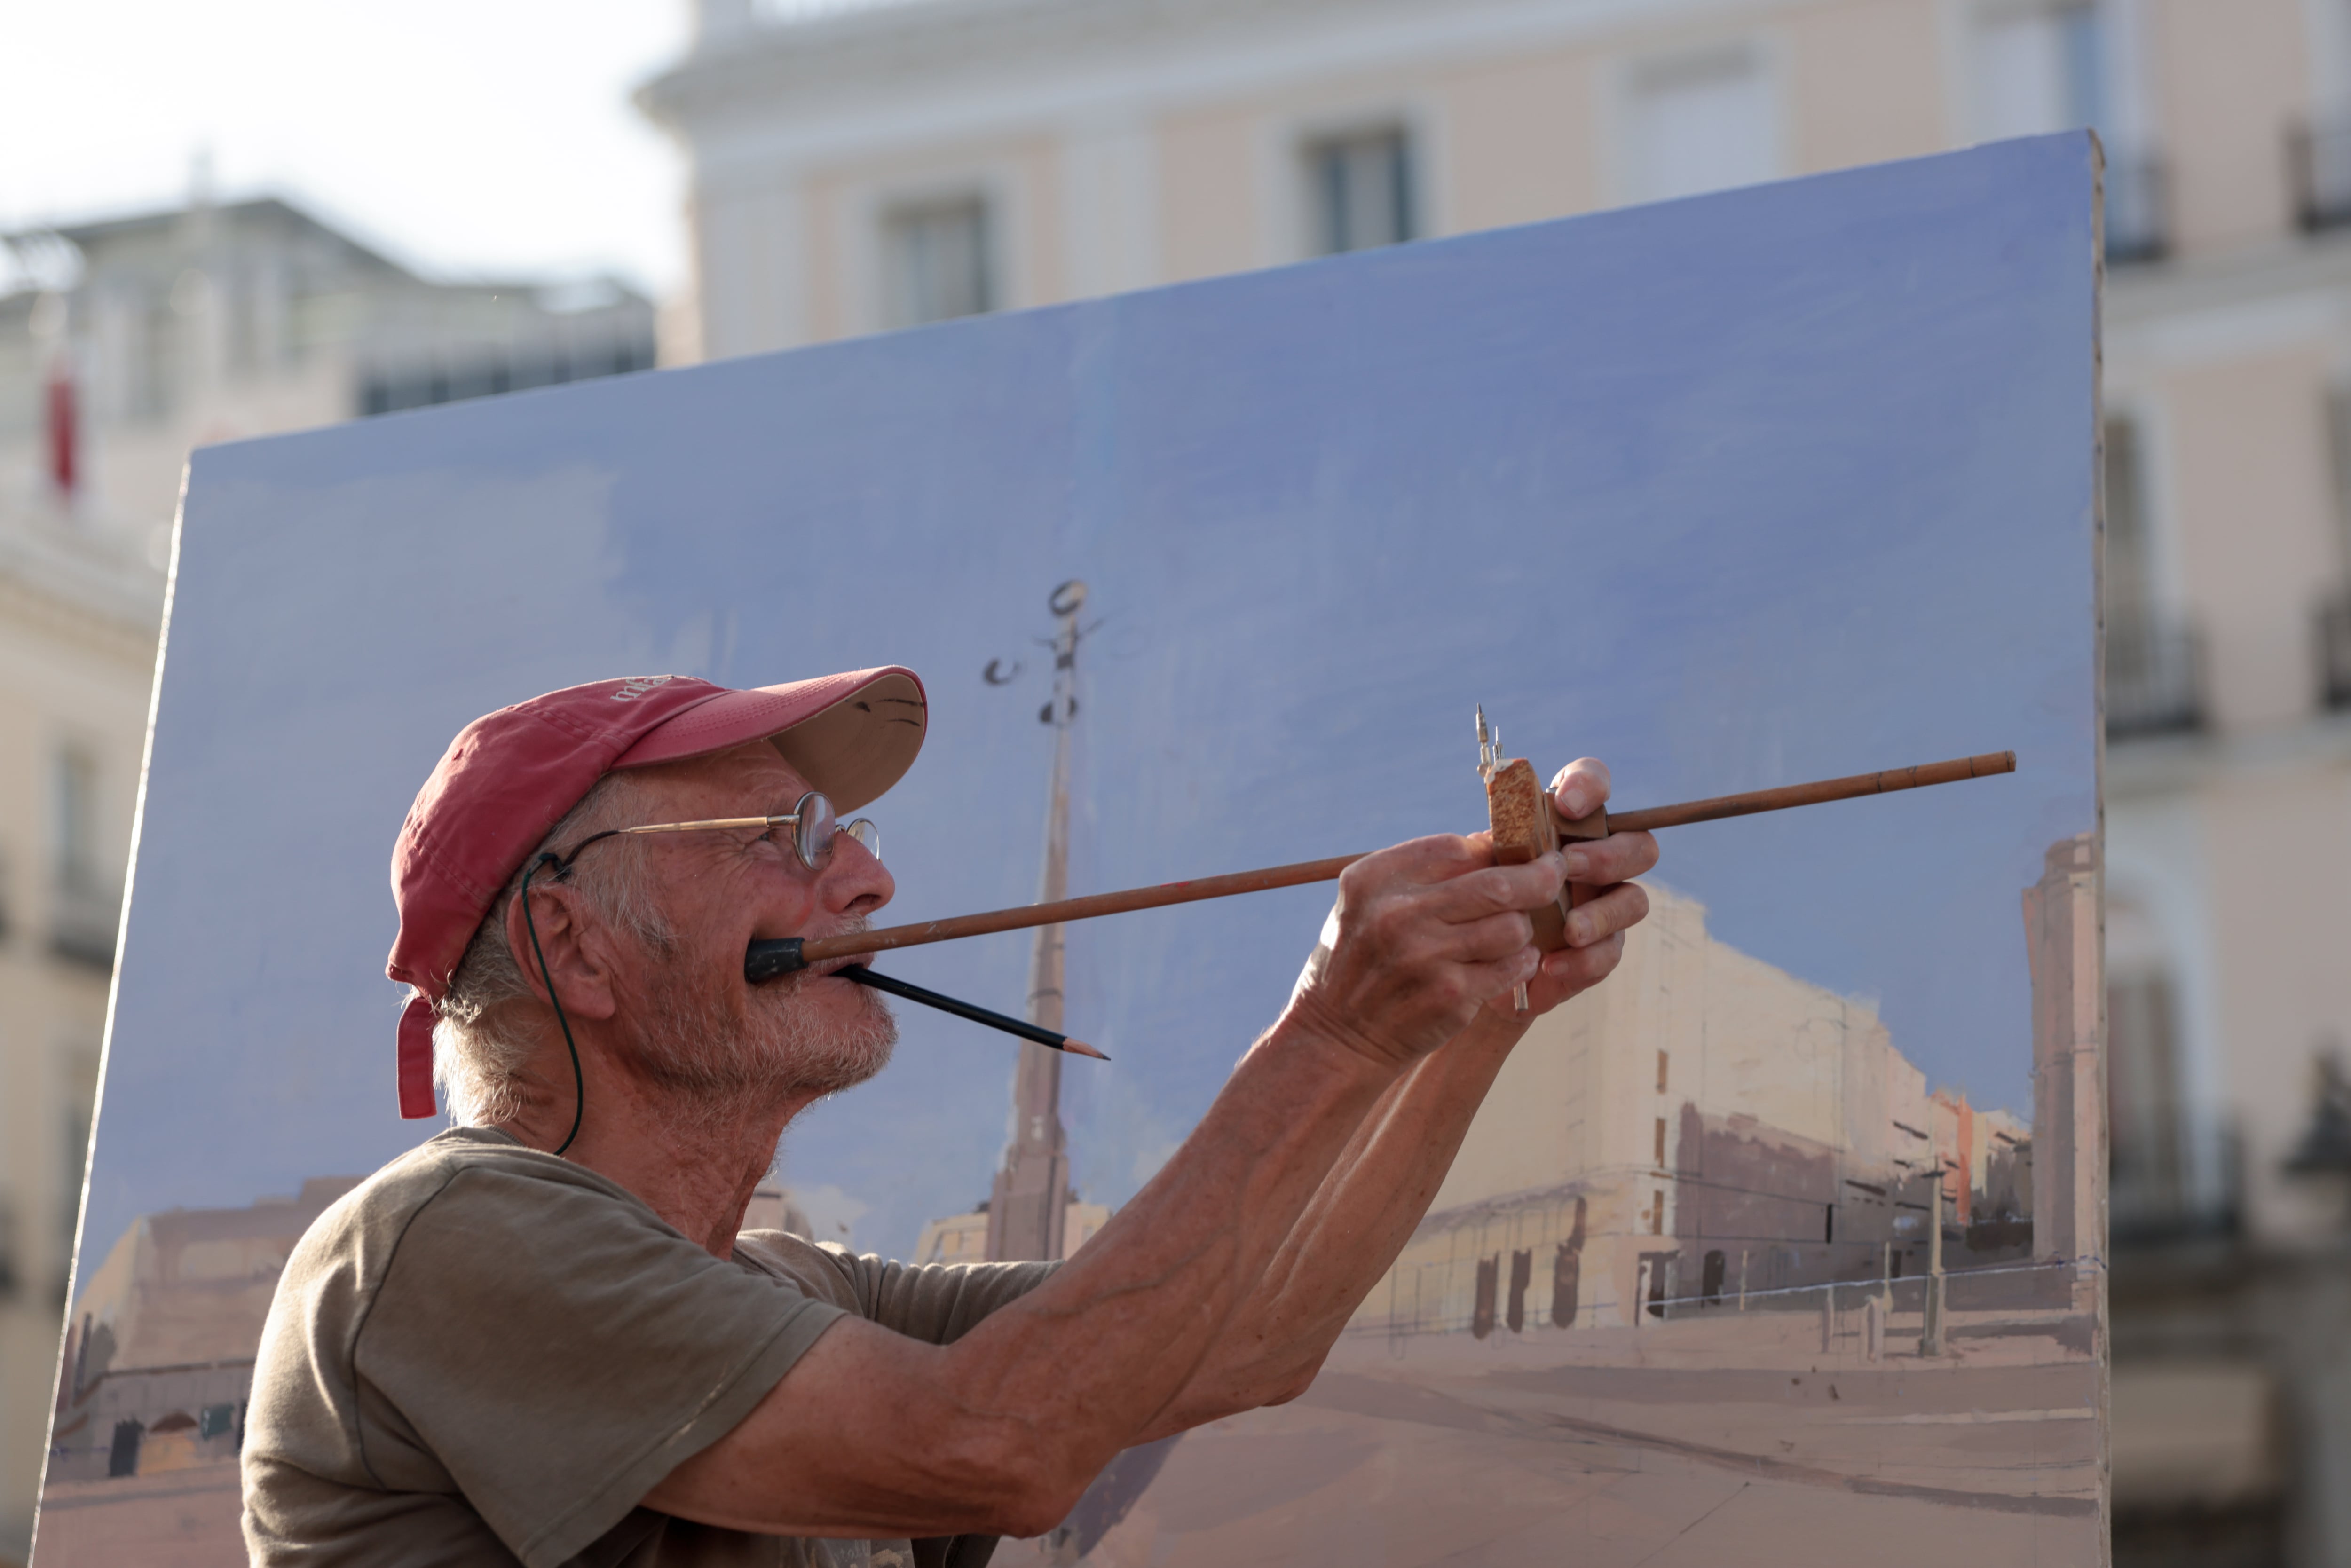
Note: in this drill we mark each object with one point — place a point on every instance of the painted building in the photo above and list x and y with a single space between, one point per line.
963 1237
1702 1127
2061 928
773 1208
150 1395
165 1331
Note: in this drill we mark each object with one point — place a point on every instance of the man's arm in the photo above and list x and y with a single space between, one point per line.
1357 1225
871 1434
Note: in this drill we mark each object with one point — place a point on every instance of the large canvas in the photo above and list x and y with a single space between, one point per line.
1785 1244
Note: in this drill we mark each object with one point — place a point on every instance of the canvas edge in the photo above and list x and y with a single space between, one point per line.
113 993
2102 1274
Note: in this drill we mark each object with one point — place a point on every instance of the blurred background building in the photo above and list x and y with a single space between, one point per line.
79 609
862 167
129 341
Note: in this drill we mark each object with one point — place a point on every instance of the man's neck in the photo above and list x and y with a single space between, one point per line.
693 1163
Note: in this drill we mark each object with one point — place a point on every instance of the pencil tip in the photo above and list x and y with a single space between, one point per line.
1083 1049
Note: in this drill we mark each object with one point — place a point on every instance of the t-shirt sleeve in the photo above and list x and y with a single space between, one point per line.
559 1352
935 1301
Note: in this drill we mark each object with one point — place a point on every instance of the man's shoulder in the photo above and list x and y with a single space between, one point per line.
484 1169
468 1212
828 1272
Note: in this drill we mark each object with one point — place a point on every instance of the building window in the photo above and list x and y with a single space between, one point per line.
936 254
75 804
2319 146
2130 568
1361 189
123 1453
2150 1190
1661 1072
2335 609
460 375
2146 1077
85 903
1699 123
2040 67
2154 665
1661 1144
153 361
1522 1273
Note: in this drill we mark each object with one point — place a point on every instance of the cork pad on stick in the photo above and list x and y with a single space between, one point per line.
1519 810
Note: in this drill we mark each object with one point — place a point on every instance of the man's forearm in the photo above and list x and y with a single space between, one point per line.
1349 1234
1098 1352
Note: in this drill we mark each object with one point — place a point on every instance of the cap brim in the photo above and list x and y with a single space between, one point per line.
852 736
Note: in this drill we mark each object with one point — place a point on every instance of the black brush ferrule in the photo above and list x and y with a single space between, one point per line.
773 959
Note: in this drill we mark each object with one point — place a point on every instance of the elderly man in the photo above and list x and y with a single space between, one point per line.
540 1337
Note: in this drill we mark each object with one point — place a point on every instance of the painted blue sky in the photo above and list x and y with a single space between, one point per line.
1784 483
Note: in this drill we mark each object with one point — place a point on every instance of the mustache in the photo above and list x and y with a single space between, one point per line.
798 981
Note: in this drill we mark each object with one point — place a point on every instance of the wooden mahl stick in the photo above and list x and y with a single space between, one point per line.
1850 788
772 960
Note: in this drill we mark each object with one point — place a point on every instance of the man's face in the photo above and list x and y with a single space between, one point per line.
703 1028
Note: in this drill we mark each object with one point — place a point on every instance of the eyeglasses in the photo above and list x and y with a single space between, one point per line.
815 830
814 826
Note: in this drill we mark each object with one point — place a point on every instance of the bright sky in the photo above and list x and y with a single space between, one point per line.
464 136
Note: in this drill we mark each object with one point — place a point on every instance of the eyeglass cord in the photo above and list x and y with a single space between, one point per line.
579 1083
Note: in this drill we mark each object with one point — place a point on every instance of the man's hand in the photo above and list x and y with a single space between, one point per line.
1430 931
1378 1189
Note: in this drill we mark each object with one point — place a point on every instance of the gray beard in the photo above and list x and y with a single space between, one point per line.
712 1049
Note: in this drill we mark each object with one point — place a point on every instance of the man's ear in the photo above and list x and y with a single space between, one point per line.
574 943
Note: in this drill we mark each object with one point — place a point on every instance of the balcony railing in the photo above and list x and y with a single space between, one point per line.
2318 162
83 920
2154 1201
2334 629
2155 677
2138 208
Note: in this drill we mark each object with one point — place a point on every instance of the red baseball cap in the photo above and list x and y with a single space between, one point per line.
509 776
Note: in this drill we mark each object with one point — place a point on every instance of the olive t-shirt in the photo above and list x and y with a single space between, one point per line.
486 1355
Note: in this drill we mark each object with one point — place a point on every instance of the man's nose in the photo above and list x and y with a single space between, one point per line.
855 882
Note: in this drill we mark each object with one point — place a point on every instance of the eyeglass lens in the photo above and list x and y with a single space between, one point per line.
815 827
812 831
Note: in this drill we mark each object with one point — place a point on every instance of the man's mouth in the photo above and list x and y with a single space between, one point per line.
768 959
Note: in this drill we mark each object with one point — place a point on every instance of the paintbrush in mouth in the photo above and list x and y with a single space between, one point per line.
897 987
